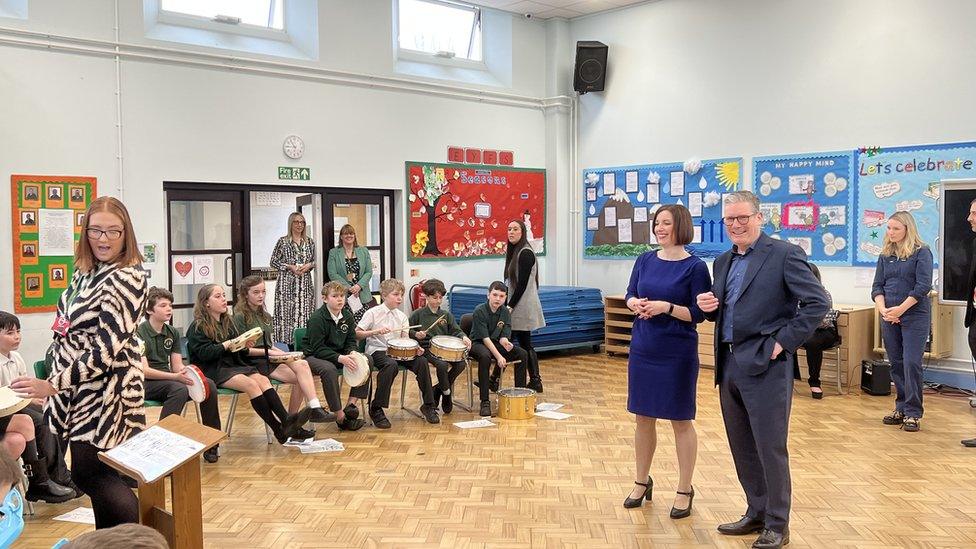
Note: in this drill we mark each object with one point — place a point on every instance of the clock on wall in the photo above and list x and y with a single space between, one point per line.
293 147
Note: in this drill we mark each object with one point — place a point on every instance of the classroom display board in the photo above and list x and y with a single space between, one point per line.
904 178
807 199
957 243
457 211
47 215
619 205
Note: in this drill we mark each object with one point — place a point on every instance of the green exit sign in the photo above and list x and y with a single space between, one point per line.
297 174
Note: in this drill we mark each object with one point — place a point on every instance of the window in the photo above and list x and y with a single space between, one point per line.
437 28
268 14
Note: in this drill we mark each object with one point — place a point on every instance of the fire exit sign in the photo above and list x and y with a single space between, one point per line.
293 173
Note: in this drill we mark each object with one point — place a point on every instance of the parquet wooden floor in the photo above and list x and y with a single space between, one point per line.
545 483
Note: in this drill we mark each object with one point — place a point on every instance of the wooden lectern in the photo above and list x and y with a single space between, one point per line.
183 527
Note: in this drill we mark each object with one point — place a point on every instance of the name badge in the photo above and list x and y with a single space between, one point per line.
61 325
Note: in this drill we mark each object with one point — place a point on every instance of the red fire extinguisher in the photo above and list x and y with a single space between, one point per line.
417 297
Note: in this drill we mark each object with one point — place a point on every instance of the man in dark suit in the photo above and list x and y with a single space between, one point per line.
765 302
970 311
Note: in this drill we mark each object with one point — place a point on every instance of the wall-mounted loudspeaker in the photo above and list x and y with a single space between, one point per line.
591 66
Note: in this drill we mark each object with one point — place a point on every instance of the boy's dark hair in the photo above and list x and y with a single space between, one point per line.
498 285
433 287
9 321
154 295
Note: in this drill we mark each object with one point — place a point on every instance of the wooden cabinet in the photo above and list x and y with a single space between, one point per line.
618 322
941 331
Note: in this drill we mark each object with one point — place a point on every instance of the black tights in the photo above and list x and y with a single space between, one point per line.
113 502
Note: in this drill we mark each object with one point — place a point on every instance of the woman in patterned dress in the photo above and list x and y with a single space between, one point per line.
96 382
294 258
351 266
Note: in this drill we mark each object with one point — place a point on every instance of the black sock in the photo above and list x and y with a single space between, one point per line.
260 405
274 403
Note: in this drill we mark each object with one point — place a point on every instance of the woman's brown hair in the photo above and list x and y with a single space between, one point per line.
84 256
248 313
217 330
682 227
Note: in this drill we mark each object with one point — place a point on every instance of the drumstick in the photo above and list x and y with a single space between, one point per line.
434 323
401 328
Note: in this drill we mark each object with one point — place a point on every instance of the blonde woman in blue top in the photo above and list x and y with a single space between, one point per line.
902 282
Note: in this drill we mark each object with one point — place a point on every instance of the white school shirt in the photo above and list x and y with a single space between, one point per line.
383 317
12 367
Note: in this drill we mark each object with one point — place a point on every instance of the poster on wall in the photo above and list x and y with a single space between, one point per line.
458 211
907 179
619 205
807 199
46 216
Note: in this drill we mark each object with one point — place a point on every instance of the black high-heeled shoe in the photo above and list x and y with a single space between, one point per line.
630 502
682 513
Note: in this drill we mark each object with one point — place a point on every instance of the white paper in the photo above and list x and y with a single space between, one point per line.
609 184
610 216
653 193
203 269
324 445
677 183
182 271
547 407
836 215
697 234
552 415
354 303
632 182
154 451
591 194
640 214
800 183
55 232
81 515
592 223
624 233
482 210
476 424
695 204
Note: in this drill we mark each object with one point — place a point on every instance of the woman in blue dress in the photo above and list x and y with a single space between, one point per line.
663 367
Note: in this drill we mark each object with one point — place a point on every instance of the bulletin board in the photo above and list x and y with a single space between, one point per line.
904 178
807 199
47 215
457 211
619 205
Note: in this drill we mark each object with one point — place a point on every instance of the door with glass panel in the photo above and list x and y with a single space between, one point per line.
205 246
369 213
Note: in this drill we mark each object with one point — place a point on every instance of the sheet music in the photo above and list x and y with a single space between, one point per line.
154 451
354 303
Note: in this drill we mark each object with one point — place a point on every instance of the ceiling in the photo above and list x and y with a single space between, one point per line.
544 9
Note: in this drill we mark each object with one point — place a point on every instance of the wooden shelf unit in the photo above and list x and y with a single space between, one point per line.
941 345
618 323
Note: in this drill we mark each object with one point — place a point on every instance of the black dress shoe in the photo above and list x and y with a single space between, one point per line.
535 384
969 443
686 512
319 415
430 413
493 384
741 527
447 403
770 539
293 425
379 419
817 395
485 408
48 491
211 455
351 424
631 503
351 411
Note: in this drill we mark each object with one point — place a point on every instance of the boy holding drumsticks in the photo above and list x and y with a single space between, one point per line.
435 322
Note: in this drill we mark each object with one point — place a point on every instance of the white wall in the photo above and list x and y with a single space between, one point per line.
711 78
183 123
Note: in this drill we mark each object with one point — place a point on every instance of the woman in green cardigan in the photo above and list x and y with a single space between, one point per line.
351 266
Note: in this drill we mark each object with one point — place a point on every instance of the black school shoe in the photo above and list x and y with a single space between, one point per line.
430 413
485 408
379 418
354 424
447 403
319 415
211 455
535 384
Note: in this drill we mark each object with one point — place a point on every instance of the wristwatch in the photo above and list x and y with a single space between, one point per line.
671 309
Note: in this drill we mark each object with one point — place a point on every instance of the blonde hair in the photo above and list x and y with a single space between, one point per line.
908 245
291 218
349 229
217 330
134 536
129 256
333 287
391 285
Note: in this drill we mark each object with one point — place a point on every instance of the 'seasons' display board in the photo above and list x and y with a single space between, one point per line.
47 216
619 205
807 199
904 178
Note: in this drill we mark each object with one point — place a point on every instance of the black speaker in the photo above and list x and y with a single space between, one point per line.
876 377
591 66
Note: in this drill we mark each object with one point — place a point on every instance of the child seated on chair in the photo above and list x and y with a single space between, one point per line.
430 327
329 338
163 365
26 434
378 327
250 313
491 328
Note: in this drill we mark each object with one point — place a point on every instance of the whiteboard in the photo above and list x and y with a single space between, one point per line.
956 240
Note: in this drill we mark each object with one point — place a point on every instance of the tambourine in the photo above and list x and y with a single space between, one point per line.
10 403
285 358
200 389
359 376
241 341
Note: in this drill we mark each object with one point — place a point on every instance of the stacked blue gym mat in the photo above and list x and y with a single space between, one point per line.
574 315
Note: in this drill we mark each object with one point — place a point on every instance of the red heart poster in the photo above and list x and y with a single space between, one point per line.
458 211
183 269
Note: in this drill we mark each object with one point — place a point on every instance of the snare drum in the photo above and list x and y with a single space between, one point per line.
449 348
402 348
516 403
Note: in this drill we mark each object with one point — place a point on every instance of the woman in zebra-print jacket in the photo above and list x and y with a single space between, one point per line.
96 381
